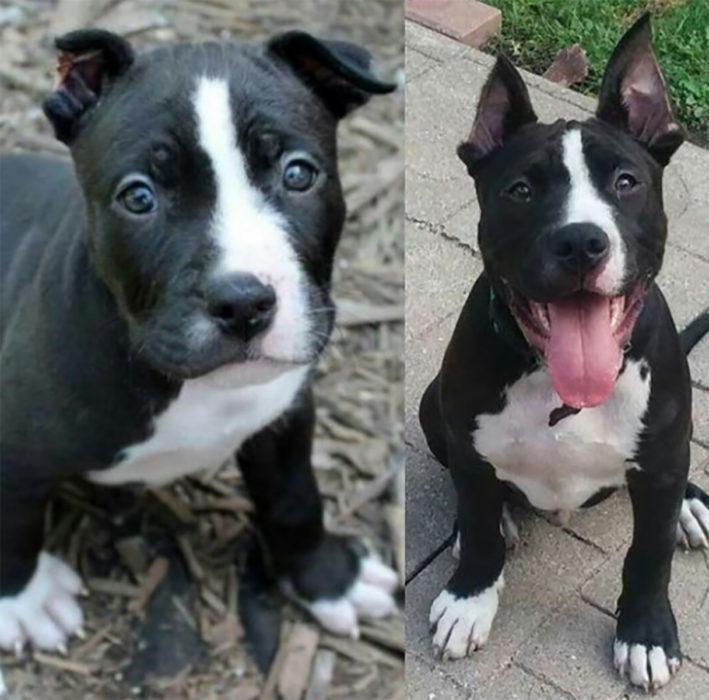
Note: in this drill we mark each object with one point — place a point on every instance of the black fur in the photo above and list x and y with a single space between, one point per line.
488 352
94 299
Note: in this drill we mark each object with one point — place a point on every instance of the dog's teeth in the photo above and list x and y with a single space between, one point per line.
540 314
617 306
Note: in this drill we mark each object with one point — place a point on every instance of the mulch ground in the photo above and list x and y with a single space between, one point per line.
176 554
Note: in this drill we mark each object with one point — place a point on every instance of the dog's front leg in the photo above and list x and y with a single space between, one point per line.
462 614
333 577
37 591
646 647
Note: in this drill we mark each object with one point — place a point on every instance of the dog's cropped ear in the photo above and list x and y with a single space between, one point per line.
634 96
504 106
88 60
338 72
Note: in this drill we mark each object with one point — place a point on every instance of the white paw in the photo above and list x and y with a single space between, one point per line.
370 596
648 668
463 624
45 612
693 524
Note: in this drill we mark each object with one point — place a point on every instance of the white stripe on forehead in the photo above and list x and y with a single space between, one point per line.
251 236
217 136
240 206
585 205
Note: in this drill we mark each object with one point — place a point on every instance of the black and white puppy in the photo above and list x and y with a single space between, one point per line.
565 377
164 302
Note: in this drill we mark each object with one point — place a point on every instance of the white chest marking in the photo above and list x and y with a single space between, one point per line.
586 205
204 426
561 466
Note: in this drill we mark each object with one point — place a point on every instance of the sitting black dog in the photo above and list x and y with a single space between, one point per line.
565 377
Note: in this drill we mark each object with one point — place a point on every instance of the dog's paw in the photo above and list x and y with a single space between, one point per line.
369 596
693 523
646 648
646 666
462 625
45 612
340 583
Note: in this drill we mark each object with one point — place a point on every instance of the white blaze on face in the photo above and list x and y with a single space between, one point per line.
585 205
251 236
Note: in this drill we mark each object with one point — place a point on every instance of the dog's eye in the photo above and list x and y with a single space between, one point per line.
520 191
299 175
624 183
138 198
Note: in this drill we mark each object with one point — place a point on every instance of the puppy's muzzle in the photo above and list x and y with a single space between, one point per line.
579 248
241 305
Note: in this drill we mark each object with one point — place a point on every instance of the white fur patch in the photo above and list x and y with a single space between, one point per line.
693 524
375 573
646 667
585 205
562 466
508 530
45 612
207 423
370 596
463 624
456 547
251 236
336 616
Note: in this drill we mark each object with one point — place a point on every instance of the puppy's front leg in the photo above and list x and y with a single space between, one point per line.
333 577
646 647
462 614
37 591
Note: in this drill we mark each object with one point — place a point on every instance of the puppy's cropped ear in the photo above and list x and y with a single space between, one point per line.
338 72
88 60
634 97
504 106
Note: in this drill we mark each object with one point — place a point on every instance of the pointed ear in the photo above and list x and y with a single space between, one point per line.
338 72
634 97
504 107
88 60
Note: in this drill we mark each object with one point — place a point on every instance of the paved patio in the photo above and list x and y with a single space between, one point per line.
553 633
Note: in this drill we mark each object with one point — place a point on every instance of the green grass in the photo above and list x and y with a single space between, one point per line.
534 31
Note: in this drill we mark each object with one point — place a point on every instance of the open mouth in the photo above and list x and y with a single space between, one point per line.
582 337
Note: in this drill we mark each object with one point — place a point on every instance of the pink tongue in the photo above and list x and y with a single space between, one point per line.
582 355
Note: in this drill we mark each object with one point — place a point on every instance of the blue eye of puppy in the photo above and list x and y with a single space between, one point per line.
625 182
299 175
520 191
138 198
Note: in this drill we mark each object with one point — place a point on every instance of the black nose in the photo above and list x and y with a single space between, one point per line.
580 247
241 304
